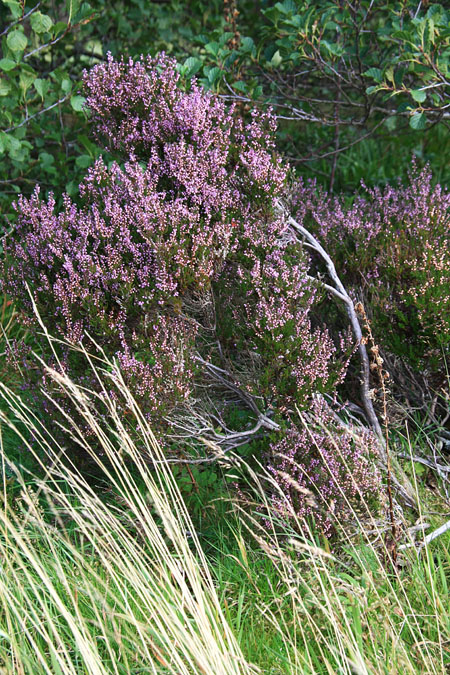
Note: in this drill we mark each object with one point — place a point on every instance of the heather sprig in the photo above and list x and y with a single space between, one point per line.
271 300
323 470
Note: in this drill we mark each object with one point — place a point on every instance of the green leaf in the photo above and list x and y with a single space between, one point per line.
59 27
77 103
46 159
72 8
14 8
276 59
16 41
399 75
257 92
191 66
429 33
40 23
7 64
270 51
418 95
335 49
41 86
375 73
435 99
419 469
83 161
240 86
66 85
87 144
214 74
72 188
11 143
16 152
287 6
418 121
391 122
389 74
212 48
26 79
247 44
224 38
5 88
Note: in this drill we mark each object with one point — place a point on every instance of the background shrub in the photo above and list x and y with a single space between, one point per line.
392 247
357 87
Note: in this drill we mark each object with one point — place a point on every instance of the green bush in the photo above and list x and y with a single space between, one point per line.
340 74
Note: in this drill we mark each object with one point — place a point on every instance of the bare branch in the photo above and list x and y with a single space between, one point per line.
430 537
40 112
340 292
20 19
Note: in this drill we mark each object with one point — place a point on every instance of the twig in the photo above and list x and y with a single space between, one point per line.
436 533
47 44
20 19
430 537
426 462
40 112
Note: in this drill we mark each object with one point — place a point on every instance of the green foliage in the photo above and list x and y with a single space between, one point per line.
41 113
337 73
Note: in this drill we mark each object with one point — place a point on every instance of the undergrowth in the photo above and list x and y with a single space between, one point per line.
121 575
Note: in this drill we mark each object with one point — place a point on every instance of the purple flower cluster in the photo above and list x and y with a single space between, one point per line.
415 207
198 149
323 470
300 359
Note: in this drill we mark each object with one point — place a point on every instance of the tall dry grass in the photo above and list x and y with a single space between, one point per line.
117 581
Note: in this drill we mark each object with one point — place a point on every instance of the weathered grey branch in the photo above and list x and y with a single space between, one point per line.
440 468
339 291
20 19
190 422
430 537
40 112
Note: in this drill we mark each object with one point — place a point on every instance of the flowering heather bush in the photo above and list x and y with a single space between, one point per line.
393 245
323 470
273 310
176 250
186 211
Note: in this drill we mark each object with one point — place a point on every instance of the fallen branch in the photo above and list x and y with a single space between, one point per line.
190 422
430 537
444 468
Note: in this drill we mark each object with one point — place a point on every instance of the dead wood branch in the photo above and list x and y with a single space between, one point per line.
338 290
